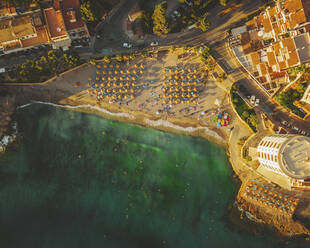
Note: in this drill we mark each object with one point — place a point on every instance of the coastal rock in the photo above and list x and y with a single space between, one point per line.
7 109
284 223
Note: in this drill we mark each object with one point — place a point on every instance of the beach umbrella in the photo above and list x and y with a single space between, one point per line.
125 96
111 65
120 90
89 78
141 66
133 78
115 72
97 72
128 71
110 72
104 66
136 66
132 96
117 65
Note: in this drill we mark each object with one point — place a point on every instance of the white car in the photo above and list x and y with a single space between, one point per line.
252 99
127 45
256 102
154 43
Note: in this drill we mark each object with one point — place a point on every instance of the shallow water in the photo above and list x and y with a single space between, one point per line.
78 180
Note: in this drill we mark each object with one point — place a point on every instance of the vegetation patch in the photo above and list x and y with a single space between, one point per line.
244 111
43 68
288 97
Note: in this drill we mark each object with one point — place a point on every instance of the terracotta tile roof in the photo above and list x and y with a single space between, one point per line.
292 5
277 29
293 59
42 37
277 75
55 22
259 20
255 58
276 47
263 68
267 25
289 43
271 59
283 65
71 14
297 18
272 11
251 25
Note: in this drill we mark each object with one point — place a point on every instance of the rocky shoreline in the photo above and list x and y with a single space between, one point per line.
8 128
63 92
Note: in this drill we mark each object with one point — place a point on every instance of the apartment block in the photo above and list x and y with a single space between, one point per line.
275 40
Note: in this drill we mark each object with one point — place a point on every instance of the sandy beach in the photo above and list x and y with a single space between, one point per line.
147 108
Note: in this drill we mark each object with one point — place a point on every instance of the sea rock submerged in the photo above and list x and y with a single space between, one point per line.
7 139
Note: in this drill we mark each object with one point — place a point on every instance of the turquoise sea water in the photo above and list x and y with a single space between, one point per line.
78 180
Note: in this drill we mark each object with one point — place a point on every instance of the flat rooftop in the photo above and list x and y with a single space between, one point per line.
12 29
302 42
294 157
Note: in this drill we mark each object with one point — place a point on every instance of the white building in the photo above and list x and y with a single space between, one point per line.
285 160
306 96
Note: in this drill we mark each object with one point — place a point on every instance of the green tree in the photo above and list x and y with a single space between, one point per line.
51 55
144 54
223 2
159 20
172 48
253 120
106 59
71 59
86 12
185 48
92 61
132 56
119 57
202 23
206 53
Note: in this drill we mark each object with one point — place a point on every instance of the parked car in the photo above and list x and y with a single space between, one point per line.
252 99
154 43
127 45
256 102
295 128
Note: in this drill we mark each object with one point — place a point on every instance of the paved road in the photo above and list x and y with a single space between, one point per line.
279 113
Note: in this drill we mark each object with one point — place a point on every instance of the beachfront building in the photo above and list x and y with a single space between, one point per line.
22 32
56 29
275 40
306 96
285 160
74 24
